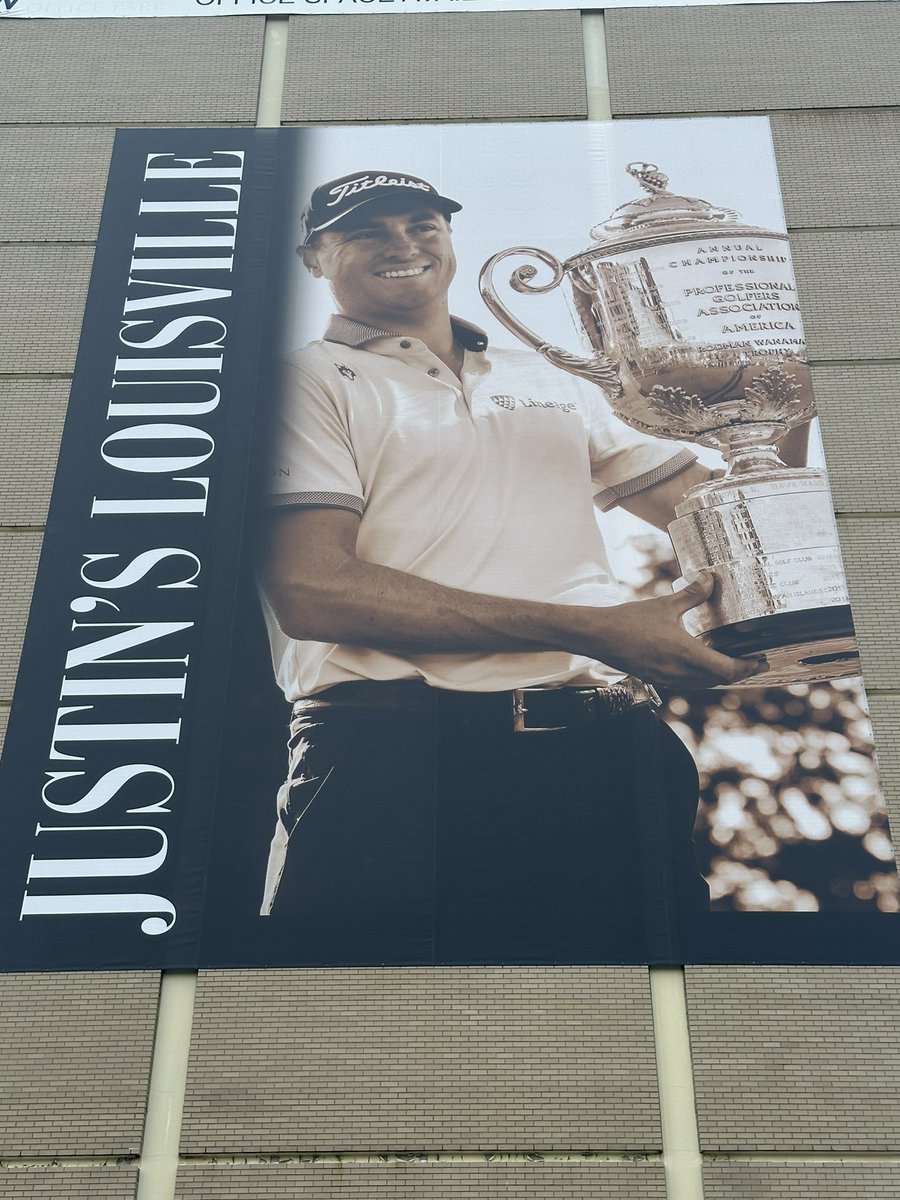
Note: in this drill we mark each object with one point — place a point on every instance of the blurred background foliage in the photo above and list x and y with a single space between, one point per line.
791 815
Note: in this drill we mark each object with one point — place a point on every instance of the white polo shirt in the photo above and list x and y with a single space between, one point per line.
489 484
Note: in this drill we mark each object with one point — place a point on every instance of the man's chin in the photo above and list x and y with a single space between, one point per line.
405 300
414 290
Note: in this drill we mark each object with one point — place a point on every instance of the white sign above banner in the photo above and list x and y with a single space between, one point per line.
234 8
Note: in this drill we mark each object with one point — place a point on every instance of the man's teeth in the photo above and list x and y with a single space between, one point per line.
401 274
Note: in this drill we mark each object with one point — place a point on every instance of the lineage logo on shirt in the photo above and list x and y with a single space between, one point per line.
512 402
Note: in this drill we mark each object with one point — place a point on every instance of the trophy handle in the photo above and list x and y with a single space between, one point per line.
598 368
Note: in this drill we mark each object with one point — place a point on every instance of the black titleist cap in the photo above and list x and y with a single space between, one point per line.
333 201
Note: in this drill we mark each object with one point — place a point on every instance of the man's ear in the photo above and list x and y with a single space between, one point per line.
310 260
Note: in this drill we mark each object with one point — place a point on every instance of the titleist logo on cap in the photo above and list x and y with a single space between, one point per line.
362 184
337 199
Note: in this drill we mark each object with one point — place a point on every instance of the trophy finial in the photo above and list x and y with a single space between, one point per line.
649 176
658 208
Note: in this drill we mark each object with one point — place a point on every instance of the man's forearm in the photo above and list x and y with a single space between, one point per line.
345 599
366 604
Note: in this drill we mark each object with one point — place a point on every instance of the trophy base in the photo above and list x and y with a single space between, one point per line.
770 540
807 646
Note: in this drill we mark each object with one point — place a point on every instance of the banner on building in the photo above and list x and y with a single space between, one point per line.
347 610
233 8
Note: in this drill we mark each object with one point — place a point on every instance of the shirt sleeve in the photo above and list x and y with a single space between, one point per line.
311 459
625 461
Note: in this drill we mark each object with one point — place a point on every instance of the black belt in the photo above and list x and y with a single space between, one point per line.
524 710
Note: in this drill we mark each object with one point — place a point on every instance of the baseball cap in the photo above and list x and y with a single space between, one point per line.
332 201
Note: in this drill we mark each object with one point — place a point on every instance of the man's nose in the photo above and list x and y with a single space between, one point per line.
401 244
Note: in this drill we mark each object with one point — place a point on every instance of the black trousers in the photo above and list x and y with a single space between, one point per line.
439 836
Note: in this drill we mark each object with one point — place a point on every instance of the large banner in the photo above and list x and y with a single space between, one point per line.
231 8
358 636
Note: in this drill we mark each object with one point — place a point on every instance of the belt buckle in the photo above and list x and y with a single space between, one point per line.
520 715
643 694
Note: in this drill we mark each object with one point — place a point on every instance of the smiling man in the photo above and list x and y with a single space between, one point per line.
476 771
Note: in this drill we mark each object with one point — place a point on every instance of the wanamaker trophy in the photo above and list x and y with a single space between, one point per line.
695 334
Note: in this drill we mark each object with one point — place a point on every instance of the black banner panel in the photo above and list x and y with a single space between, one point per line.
441 569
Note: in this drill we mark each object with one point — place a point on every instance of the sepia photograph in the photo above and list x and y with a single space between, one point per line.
523 724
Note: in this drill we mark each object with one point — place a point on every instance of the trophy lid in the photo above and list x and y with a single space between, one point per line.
660 212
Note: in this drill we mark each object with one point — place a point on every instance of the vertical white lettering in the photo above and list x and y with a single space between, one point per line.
114 905
157 432
97 868
157 507
65 732
107 787
195 168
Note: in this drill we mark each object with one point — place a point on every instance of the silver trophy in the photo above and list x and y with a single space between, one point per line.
695 333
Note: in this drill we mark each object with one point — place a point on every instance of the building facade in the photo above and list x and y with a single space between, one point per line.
614 1083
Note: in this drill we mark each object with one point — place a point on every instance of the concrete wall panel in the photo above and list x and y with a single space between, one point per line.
800 1181
418 1059
42 293
885 714
860 412
140 71
492 67
847 286
82 1183
745 58
871 550
75 1050
31 419
19 554
839 168
796 1059
53 181
355 1181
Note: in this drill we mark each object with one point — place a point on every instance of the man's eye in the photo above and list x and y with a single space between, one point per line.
426 226
359 234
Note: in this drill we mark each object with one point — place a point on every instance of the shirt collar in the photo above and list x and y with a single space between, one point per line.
354 333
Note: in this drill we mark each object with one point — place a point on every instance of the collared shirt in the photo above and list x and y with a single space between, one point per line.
488 483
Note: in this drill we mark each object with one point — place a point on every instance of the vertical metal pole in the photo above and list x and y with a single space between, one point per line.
168 1076
271 79
593 35
680 1137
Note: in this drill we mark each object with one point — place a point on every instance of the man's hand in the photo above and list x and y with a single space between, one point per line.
646 638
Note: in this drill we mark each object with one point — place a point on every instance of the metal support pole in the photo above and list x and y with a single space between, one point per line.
168 1076
271 78
680 1138
593 35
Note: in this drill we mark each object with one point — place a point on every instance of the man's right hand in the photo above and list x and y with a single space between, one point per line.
646 638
